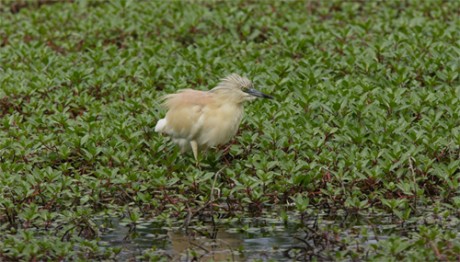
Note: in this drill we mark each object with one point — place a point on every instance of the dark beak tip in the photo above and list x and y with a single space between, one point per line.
268 96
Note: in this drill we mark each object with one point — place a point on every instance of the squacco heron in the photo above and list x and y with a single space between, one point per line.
202 119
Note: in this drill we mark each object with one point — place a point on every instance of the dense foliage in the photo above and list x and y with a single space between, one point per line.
366 118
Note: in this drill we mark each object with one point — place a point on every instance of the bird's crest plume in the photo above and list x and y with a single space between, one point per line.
235 81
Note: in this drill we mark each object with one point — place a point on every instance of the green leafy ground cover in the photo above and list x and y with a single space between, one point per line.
366 119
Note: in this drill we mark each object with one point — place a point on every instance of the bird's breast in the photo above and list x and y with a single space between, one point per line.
220 124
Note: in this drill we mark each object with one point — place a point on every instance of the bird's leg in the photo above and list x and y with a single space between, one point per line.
226 154
226 149
194 146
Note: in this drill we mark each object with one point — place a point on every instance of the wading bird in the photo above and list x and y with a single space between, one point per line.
201 119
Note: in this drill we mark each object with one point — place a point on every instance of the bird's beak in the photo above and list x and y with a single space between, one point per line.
257 93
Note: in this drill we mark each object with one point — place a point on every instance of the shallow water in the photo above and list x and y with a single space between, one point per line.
262 239
210 243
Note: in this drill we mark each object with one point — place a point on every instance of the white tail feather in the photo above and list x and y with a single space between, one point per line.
160 126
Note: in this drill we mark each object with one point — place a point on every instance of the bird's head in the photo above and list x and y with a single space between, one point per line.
238 88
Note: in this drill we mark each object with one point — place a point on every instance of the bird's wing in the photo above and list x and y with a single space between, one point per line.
187 98
185 116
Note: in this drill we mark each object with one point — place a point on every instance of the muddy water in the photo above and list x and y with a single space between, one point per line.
262 239
207 242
